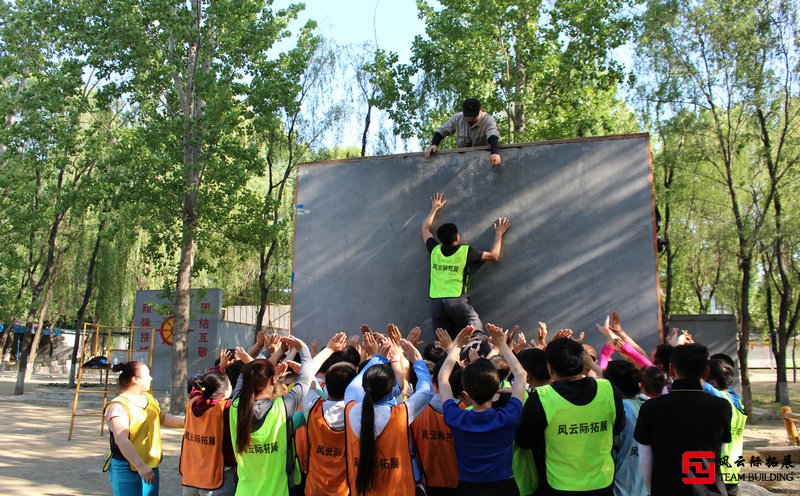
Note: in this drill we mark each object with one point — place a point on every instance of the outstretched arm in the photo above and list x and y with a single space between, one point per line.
499 339
437 202
453 350
500 228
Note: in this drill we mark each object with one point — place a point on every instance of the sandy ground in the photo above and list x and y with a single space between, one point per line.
37 459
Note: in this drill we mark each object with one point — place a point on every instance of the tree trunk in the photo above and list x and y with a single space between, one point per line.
744 334
37 337
781 382
87 295
27 350
367 120
180 333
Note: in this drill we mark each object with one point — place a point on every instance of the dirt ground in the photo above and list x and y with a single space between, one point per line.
37 459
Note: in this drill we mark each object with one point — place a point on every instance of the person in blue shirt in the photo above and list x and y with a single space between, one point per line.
484 435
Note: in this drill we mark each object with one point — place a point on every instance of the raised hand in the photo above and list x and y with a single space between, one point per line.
512 335
463 336
365 329
370 344
338 341
394 334
541 333
314 347
473 355
520 344
293 366
502 225
413 336
438 201
243 355
497 335
410 351
225 358
273 343
292 342
563 333
385 348
445 341
606 330
616 324
281 370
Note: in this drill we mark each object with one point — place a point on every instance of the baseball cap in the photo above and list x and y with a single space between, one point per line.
472 107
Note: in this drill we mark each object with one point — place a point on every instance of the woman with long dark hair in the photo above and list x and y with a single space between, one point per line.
134 421
379 457
207 463
261 424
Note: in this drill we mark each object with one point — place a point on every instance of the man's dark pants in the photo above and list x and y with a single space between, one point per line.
454 314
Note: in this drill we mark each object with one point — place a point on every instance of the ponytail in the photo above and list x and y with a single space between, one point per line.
255 378
211 386
378 382
127 370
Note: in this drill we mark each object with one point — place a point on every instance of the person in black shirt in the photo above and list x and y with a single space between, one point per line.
451 264
685 420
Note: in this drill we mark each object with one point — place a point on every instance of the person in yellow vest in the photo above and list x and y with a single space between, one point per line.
134 420
377 440
261 424
451 264
720 375
202 466
569 425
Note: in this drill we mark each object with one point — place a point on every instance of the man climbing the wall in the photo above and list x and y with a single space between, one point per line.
450 267
472 127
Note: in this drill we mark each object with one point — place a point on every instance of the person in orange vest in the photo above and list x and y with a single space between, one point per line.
434 442
378 454
203 466
134 421
327 474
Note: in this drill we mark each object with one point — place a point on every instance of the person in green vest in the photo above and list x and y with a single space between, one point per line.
570 424
261 424
720 375
451 264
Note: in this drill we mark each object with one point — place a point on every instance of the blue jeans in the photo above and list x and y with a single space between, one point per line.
126 482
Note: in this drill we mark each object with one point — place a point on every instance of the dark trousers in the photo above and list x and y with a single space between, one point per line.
505 487
442 491
454 314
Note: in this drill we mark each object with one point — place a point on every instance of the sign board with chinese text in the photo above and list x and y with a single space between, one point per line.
155 309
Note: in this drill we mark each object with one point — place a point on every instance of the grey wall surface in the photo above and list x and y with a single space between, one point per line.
581 239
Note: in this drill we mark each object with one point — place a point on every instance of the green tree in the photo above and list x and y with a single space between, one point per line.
724 62
544 68
191 74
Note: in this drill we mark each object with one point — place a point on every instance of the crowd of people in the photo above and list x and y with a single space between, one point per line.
478 413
